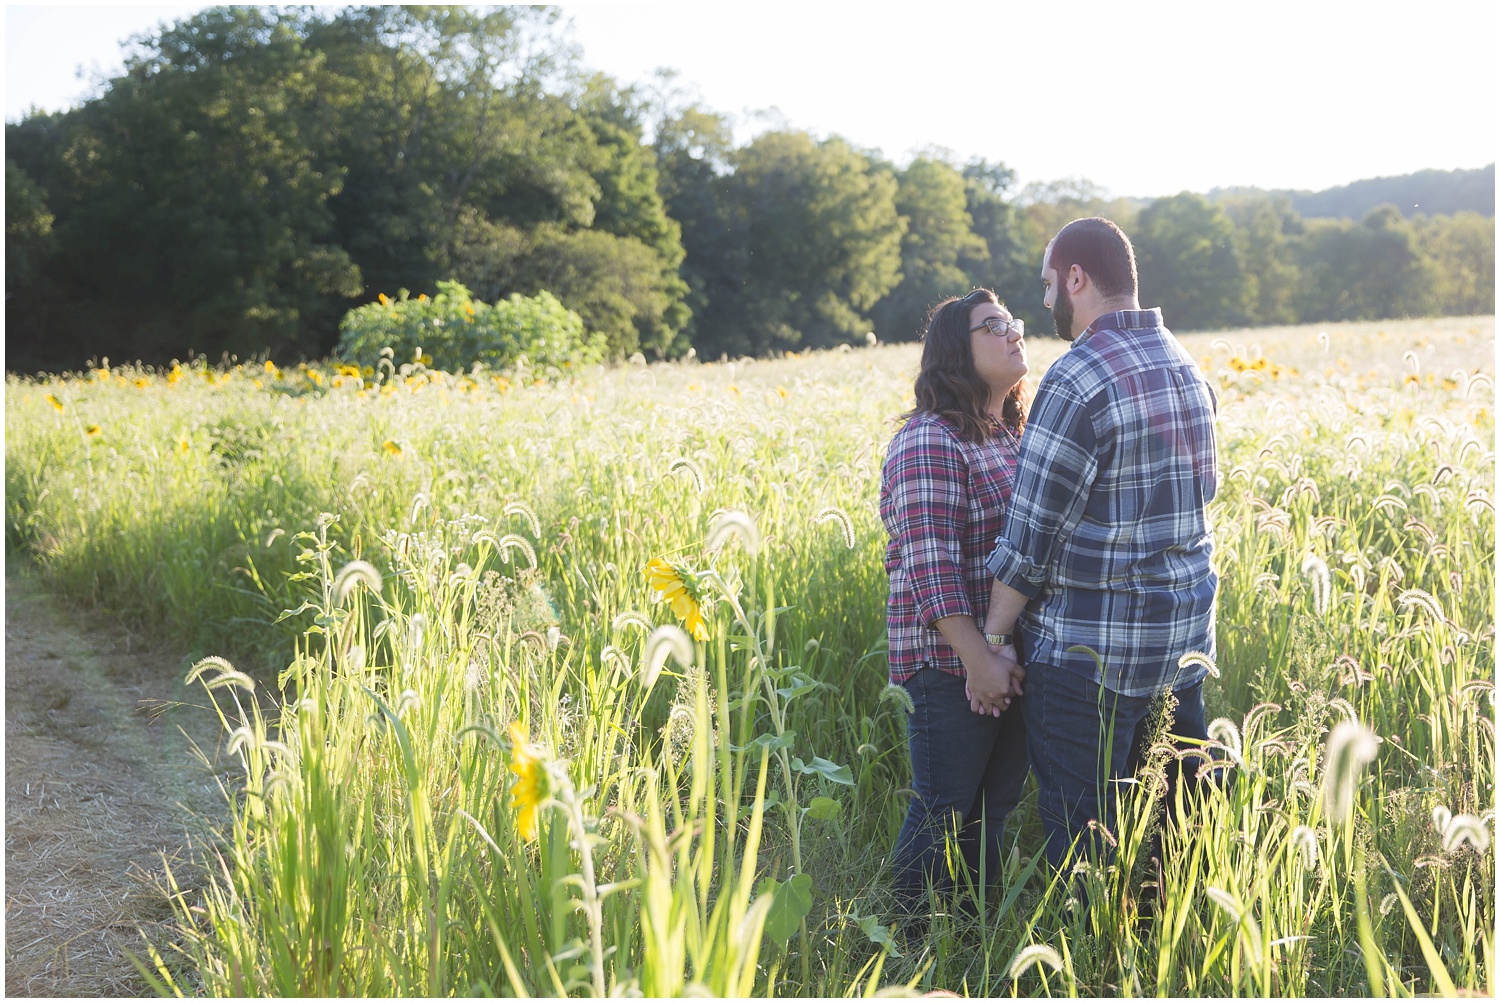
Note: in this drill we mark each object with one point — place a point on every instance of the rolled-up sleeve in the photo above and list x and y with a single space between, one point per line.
1058 462
926 512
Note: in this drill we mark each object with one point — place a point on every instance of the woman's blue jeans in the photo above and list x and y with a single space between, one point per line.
967 771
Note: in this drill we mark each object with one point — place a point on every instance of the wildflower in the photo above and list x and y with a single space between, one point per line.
55 402
680 589
182 444
385 300
532 786
391 446
91 430
143 382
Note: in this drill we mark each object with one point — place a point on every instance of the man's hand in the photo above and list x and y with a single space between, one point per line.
994 682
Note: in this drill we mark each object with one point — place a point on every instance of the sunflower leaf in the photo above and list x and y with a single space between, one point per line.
790 903
825 769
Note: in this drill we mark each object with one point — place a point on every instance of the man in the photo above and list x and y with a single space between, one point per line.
1103 562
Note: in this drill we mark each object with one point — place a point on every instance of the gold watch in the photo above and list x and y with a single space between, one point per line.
1000 640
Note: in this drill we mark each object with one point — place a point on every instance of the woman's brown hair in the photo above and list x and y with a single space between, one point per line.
947 383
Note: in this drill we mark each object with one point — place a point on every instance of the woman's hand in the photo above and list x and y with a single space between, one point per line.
994 674
994 681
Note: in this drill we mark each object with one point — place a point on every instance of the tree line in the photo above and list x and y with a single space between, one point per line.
255 173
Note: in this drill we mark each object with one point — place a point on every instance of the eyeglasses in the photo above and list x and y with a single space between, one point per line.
1001 328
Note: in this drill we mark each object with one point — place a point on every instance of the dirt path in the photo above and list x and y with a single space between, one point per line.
101 783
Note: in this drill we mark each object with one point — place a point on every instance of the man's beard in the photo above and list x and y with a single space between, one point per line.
1062 315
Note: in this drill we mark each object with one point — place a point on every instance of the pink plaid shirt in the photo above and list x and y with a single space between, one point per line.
943 501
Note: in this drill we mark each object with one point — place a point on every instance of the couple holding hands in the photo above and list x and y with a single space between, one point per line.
1049 560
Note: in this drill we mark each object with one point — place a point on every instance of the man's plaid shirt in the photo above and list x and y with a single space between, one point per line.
942 500
1106 533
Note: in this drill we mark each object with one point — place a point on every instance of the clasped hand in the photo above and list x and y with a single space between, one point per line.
995 682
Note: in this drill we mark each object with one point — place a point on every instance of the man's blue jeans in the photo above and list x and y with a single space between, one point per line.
968 771
1083 737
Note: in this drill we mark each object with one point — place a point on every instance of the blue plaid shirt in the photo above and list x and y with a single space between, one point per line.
1106 533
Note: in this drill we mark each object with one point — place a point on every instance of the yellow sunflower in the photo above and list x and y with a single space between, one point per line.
679 589
532 786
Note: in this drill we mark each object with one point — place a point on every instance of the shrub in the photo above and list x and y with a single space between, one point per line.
452 331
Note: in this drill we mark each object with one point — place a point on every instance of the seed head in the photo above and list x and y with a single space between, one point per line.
694 471
351 576
1463 829
1198 658
835 514
516 508
228 675
728 525
897 694
1422 600
1305 841
1035 954
1316 570
665 642
1351 746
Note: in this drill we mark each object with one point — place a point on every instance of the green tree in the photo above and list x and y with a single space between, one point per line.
1461 252
191 209
1189 263
477 153
939 240
257 171
1368 270
1049 206
28 229
694 148
1012 260
1266 236
818 238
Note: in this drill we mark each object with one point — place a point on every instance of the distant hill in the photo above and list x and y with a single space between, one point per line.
1425 193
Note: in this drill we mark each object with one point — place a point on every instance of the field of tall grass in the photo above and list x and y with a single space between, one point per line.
551 683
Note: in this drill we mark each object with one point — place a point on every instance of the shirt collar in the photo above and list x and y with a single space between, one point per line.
1123 320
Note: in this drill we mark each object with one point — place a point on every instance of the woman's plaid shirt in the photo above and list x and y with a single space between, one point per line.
942 500
1108 536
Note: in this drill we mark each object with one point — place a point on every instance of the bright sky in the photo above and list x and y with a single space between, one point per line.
1142 99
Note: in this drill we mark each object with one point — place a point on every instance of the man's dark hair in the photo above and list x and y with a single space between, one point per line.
947 383
1102 250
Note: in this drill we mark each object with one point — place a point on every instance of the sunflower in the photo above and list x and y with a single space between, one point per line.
532 786
679 588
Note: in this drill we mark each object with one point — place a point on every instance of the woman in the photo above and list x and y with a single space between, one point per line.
944 489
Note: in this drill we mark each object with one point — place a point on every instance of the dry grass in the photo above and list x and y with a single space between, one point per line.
97 795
